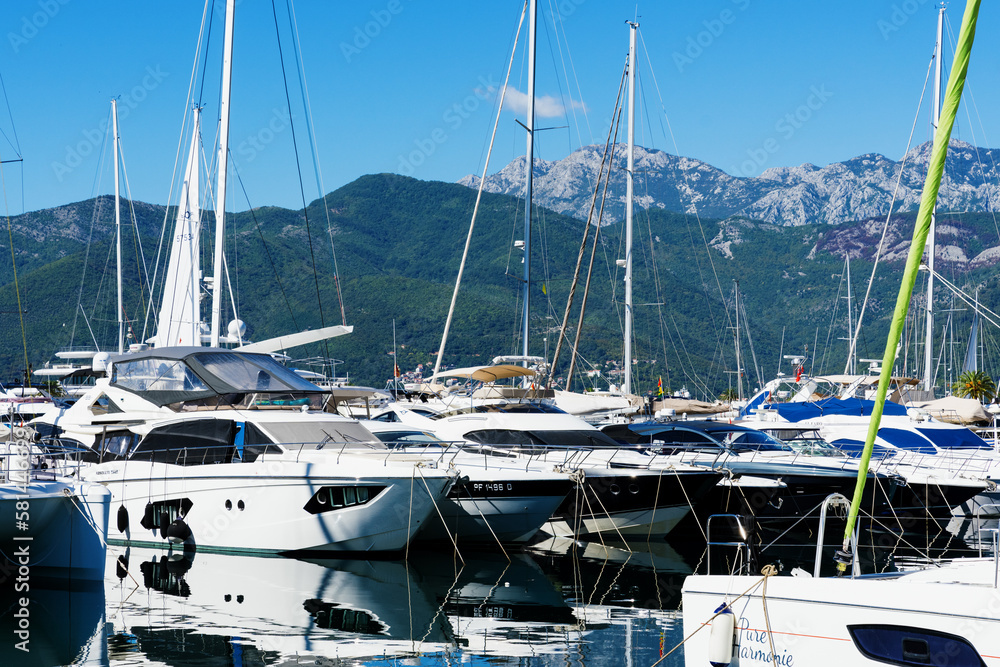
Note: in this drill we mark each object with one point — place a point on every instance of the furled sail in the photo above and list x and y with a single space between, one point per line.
179 321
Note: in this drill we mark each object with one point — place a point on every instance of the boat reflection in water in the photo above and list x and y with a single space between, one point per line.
62 623
177 608
220 605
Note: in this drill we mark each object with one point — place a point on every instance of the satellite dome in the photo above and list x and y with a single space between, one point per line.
100 362
237 329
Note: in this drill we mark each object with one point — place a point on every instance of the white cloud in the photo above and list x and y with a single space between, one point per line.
546 106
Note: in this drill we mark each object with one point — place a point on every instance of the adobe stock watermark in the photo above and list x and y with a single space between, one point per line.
784 129
566 8
31 25
452 119
94 137
19 473
363 35
252 146
695 45
898 17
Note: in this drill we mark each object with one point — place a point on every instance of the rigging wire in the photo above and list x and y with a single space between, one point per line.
16 144
267 250
90 237
475 208
693 207
885 228
753 351
188 102
579 92
586 233
833 319
298 168
314 149
593 253
17 287
208 40
140 257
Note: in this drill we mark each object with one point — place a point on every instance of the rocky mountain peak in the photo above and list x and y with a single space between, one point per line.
855 189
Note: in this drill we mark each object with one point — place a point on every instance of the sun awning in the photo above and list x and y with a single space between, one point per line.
486 373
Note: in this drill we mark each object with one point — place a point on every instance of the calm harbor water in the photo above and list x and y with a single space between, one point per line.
555 602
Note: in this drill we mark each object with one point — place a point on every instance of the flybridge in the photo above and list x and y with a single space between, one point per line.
164 376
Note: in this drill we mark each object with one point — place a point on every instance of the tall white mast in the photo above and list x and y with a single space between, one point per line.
529 164
627 384
223 162
118 231
929 343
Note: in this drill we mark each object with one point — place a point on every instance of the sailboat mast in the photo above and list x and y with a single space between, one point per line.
118 231
223 162
851 367
929 343
528 166
739 350
629 185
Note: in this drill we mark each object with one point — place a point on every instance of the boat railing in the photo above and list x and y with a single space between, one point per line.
442 452
994 542
840 501
953 463
742 545
567 457
69 455
24 461
994 532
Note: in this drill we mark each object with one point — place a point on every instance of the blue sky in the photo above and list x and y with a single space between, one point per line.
405 86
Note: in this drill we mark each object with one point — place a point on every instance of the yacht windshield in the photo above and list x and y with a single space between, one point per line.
256 373
319 434
160 380
748 440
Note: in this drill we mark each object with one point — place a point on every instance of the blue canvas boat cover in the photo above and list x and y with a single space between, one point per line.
908 440
858 407
954 438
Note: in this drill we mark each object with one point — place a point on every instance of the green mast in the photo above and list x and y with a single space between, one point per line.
953 94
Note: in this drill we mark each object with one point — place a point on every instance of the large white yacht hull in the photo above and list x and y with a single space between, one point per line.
260 507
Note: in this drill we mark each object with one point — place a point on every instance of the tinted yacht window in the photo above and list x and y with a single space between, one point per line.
258 373
191 442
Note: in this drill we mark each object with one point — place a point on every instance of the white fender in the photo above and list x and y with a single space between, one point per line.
720 640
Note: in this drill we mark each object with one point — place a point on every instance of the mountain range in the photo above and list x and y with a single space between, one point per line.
856 189
398 243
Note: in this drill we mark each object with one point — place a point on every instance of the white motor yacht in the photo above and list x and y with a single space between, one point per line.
614 498
223 449
497 498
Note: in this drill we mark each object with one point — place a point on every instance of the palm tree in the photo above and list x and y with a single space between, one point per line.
975 384
728 396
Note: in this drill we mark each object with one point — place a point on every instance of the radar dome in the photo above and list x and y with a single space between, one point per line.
237 329
100 362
